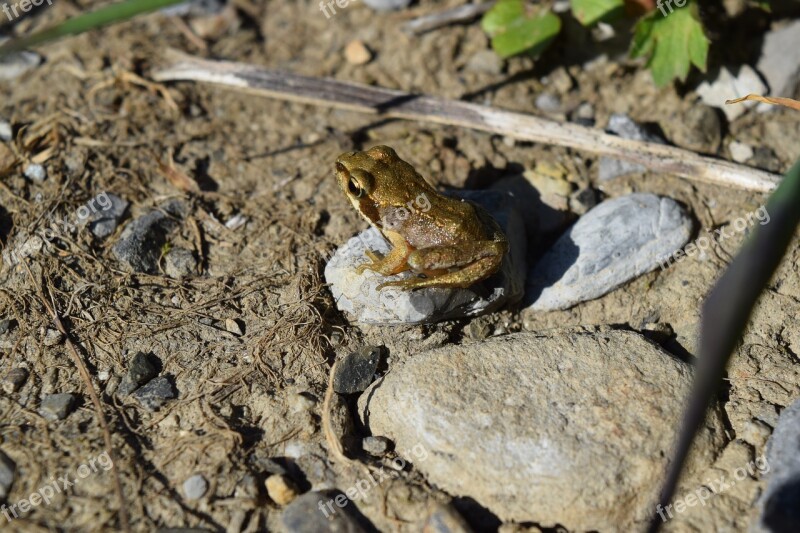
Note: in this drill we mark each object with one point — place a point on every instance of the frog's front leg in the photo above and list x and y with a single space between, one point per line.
473 262
394 262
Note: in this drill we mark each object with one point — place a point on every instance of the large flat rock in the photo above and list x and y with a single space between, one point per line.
571 428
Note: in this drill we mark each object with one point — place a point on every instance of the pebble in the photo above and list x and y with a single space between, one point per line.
387 5
56 406
281 489
377 446
195 487
234 326
444 519
6 133
16 64
357 53
356 295
549 103
778 504
740 152
726 86
141 370
14 380
700 130
103 220
625 127
6 325
179 263
155 393
35 173
7 471
485 61
612 244
356 370
305 514
139 247
583 200
584 114
525 424
52 337
780 61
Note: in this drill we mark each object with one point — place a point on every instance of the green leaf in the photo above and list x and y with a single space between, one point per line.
590 11
88 21
516 28
674 42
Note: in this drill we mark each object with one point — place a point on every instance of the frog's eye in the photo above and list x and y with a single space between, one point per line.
354 188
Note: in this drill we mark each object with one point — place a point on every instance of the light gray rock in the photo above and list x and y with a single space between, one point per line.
727 86
14 380
357 294
377 446
444 519
780 61
549 103
612 244
387 5
624 126
5 131
35 173
699 129
195 487
318 512
179 263
779 502
740 152
8 470
16 64
56 406
155 393
569 428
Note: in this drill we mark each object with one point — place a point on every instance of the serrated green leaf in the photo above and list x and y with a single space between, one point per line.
674 42
517 28
589 12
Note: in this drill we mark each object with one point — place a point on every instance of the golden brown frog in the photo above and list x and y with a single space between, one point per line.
446 241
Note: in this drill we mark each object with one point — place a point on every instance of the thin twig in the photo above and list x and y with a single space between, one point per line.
98 407
390 103
453 15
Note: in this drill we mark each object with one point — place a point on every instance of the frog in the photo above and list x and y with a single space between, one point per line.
445 242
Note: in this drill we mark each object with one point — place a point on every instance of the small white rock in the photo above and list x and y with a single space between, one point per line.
35 173
727 87
195 487
740 152
5 131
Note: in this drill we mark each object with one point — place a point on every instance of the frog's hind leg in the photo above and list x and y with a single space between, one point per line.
462 278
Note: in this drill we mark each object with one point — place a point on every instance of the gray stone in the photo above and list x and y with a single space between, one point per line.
6 133
14 380
612 244
140 371
6 325
179 263
780 61
377 446
105 217
624 126
727 86
444 519
195 487
155 393
549 103
387 5
35 173
194 8
357 294
740 152
567 428
139 246
310 513
356 370
52 337
700 129
778 503
56 406
15 64
8 470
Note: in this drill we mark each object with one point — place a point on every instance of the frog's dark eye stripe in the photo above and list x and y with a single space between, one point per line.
354 188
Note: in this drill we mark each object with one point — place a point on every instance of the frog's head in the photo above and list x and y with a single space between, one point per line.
375 179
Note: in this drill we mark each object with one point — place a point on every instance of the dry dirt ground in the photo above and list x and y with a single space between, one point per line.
247 402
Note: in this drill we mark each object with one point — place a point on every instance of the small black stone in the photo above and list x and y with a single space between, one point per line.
356 370
141 370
